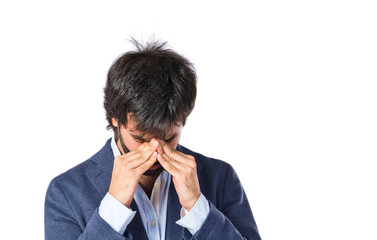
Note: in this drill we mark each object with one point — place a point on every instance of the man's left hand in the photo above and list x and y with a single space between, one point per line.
182 167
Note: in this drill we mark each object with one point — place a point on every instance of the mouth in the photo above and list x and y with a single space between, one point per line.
154 170
155 166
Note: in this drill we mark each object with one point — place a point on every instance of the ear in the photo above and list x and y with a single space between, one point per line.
114 122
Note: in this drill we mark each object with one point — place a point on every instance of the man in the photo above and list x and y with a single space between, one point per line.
142 184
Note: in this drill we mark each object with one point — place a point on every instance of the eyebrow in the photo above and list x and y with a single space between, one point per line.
140 138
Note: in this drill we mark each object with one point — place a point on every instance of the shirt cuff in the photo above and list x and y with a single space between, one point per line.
195 218
115 213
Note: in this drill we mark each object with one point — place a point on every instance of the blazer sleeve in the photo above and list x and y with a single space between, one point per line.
233 219
61 223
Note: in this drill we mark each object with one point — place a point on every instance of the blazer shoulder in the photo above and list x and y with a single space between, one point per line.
79 172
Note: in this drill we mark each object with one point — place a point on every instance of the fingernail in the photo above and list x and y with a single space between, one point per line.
154 143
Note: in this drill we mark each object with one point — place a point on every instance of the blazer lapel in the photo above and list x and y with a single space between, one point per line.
173 230
100 173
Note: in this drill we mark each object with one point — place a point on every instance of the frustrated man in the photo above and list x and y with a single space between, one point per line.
142 184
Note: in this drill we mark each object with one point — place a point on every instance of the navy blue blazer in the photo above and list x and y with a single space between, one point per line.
73 198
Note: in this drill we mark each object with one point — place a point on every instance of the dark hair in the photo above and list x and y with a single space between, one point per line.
153 84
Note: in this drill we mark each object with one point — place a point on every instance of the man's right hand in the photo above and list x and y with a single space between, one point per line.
128 169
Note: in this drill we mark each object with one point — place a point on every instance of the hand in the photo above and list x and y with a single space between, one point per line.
128 169
183 169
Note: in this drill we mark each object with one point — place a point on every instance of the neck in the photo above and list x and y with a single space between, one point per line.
147 183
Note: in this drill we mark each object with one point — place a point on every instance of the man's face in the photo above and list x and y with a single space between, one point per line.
133 139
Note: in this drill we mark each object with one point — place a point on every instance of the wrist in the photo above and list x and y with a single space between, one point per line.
188 206
125 200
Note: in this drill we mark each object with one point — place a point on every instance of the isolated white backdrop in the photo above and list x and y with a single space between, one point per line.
286 94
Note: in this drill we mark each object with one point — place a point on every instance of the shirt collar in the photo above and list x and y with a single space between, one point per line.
115 148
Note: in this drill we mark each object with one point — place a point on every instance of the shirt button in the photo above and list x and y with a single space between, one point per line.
156 185
153 223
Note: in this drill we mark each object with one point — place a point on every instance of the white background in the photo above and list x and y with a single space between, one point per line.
286 94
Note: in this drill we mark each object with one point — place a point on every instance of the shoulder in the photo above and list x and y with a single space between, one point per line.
72 176
78 174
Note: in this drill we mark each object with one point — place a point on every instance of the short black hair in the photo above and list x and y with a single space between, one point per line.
154 85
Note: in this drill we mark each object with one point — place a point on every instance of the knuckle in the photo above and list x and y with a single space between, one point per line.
172 151
121 163
125 166
140 155
118 159
192 164
144 154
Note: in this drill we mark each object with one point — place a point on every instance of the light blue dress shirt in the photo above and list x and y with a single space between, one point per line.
152 211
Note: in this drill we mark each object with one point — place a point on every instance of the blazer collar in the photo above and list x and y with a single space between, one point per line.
100 174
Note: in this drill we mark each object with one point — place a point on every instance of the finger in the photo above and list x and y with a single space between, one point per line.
121 159
175 155
146 149
172 152
142 168
135 158
177 164
167 165
134 161
128 154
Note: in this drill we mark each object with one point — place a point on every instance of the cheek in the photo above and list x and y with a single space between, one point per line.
133 146
130 143
173 144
